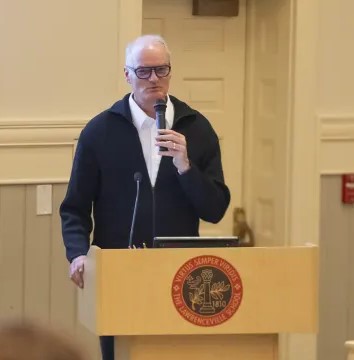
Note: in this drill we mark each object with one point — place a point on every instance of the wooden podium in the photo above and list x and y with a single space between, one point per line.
134 295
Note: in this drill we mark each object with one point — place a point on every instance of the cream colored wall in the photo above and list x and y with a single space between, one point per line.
335 86
336 57
335 114
50 55
61 63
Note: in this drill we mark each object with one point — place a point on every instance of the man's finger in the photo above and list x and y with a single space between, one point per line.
77 278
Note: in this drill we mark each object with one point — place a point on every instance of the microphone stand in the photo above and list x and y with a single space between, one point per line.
137 179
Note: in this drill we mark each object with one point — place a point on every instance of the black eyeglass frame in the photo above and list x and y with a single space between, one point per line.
150 68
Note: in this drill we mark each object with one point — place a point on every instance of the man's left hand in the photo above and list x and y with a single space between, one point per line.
176 148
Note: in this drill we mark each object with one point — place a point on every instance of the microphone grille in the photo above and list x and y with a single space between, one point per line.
138 176
160 104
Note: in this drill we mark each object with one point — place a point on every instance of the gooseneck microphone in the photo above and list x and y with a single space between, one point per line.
137 178
160 109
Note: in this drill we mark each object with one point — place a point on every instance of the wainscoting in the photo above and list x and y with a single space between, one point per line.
34 281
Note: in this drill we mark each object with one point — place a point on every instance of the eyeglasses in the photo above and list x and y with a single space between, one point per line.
145 72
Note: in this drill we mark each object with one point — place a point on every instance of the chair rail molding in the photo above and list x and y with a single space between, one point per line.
336 134
35 151
39 131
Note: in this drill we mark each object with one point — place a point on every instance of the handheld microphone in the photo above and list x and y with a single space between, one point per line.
137 178
160 109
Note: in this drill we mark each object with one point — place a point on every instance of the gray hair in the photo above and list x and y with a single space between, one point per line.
140 43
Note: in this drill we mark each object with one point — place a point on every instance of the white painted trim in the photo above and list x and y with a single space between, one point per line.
42 132
42 123
304 175
337 127
336 133
39 144
41 181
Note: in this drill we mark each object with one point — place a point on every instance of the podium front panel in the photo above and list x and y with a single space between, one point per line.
137 292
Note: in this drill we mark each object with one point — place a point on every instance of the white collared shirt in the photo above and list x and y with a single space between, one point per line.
147 130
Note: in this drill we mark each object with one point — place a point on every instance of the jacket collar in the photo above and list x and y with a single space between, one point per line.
122 108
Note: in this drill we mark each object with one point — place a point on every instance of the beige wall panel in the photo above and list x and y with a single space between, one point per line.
34 281
61 59
336 272
336 57
63 293
62 290
36 162
129 26
37 262
337 157
12 250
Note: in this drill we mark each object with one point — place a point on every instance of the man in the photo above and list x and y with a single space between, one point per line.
179 186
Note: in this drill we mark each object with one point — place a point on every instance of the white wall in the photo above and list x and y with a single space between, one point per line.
336 57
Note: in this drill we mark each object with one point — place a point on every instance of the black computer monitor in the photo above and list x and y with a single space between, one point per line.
167 242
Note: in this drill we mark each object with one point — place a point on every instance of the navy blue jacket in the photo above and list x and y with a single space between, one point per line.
108 155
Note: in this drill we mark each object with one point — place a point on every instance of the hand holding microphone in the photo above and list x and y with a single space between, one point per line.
171 143
176 147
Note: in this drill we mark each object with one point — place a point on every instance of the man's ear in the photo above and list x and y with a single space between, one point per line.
126 74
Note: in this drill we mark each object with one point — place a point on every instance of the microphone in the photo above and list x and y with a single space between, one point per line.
160 109
137 178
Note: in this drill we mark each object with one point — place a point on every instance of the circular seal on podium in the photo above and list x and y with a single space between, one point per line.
207 290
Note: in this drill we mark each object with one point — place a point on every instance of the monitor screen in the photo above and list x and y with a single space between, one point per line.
195 242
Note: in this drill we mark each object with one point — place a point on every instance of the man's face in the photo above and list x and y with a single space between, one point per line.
147 91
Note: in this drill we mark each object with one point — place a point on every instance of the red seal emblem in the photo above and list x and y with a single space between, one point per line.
207 290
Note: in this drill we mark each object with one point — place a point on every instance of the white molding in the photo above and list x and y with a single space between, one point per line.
36 158
38 181
39 144
46 132
336 127
336 137
303 157
41 123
